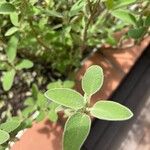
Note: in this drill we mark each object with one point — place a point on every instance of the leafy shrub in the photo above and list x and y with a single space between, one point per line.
74 105
57 33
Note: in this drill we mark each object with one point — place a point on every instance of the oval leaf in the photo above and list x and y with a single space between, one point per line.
41 116
92 80
10 126
120 3
112 111
8 79
24 64
14 19
52 115
6 8
125 16
11 49
4 136
66 97
76 131
137 33
11 31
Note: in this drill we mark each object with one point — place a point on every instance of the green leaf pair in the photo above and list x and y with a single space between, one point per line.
11 52
6 128
78 125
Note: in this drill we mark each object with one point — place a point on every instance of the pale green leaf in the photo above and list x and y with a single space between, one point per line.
76 131
7 79
6 8
4 137
53 106
77 7
28 111
52 13
125 16
120 3
52 85
92 80
66 97
68 84
112 111
11 31
14 19
52 115
29 101
10 125
24 64
41 116
35 91
11 49
41 100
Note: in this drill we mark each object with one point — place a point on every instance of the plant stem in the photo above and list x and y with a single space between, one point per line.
90 19
36 36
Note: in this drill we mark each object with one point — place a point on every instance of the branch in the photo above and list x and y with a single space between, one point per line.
90 19
36 36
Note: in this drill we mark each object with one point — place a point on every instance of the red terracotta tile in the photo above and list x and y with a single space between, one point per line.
42 136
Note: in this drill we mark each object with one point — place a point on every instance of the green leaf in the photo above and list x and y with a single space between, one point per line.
7 79
10 125
53 106
41 100
29 101
92 80
76 131
11 31
52 115
11 49
52 13
52 85
66 97
24 64
14 19
125 16
3 65
78 6
4 136
109 110
35 91
147 21
120 3
68 84
6 8
28 110
27 123
137 33
41 116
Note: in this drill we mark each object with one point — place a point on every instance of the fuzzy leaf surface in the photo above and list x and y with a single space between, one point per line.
92 80
109 110
4 136
66 97
8 79
76 131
